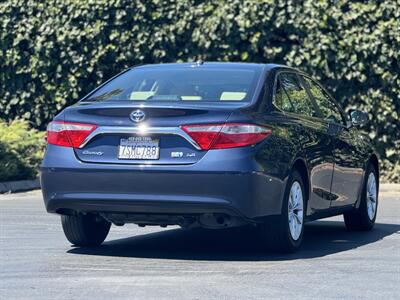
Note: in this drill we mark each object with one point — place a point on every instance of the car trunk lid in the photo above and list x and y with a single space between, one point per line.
122 137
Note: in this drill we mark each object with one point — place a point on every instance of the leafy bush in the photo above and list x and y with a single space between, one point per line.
53 53
21 150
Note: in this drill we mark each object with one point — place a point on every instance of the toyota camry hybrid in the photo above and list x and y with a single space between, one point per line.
211 145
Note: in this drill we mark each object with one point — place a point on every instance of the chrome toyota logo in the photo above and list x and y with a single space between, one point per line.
137 116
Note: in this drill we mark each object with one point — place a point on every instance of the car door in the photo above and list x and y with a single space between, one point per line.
348 169
292 98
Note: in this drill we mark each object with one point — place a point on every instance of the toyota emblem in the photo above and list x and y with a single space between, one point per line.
137 116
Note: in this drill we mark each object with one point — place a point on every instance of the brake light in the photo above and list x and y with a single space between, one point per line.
229 135
68 134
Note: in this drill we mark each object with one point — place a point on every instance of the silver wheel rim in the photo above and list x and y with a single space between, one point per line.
371 196
295 210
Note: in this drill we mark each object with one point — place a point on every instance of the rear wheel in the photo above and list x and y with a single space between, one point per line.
284 233
364 217
85 230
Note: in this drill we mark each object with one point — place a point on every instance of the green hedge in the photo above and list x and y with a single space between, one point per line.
21 150
54 53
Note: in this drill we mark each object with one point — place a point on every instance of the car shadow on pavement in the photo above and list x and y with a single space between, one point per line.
237 244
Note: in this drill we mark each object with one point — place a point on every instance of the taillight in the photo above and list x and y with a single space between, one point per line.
68 134
229 135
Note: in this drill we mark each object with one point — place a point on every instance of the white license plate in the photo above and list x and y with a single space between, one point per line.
139 147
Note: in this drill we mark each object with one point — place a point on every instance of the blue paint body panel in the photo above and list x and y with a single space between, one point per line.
246 182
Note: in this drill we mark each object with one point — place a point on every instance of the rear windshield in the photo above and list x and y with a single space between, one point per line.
181 84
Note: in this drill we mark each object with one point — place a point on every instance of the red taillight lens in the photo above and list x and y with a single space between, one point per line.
229 135
68 134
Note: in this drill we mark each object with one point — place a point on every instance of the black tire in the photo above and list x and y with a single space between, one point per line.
275 233
85 230
359 219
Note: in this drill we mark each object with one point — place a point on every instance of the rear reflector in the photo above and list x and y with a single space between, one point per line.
68 134
229 135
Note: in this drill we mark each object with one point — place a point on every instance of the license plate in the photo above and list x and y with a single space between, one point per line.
139 148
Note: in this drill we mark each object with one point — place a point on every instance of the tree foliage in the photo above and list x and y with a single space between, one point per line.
21 150
54 52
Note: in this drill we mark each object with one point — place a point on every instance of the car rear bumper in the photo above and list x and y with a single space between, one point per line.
134 203
68 184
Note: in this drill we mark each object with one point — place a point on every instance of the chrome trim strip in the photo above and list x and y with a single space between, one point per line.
140 130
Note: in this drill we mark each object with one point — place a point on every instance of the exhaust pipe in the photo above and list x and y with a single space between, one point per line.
214 220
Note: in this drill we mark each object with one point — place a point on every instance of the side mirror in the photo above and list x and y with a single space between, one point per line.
358 118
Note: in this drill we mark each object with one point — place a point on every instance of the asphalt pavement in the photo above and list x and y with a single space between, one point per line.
37 262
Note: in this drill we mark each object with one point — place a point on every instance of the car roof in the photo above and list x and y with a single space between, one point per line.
227 65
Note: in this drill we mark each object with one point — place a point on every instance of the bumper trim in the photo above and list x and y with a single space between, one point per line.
139 204
139 131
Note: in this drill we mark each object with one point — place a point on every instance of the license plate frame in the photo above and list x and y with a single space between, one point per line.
139 148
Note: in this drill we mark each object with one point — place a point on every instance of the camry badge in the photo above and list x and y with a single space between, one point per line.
137 116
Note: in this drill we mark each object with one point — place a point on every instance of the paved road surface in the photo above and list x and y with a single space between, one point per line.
36 262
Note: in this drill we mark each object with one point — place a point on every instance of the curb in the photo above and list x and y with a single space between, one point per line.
389 187
19 186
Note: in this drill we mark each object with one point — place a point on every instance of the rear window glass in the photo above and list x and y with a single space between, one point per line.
181 84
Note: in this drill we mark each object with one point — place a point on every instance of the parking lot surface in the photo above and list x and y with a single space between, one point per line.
37 262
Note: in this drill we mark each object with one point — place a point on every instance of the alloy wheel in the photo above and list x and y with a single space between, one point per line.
295 210
371 196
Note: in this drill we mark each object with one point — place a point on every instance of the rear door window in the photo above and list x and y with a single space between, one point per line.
291 96
282 100
327 107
